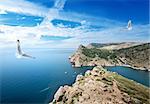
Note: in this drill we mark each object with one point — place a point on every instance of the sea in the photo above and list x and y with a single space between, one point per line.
35 81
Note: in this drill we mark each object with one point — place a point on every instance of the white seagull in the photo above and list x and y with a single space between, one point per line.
129 26
20 53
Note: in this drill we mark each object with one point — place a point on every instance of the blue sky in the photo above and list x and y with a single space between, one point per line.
121 10
68 23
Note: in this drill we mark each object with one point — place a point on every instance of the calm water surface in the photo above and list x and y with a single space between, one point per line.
136 75
36 80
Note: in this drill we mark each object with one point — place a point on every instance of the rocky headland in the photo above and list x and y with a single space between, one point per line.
100 86
134 55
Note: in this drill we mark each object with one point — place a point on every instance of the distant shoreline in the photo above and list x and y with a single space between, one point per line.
133 56
128 66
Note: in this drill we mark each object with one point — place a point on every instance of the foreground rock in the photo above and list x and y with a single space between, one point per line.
133 55
102 87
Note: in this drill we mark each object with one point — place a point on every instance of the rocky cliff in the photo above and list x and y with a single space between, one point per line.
135 55
100 86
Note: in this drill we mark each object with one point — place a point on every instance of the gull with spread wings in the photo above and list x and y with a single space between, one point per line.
20 53
129 26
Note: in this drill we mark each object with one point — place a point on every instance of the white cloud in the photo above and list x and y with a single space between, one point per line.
139 33
29 8
22 6
59 4
114 31
31 35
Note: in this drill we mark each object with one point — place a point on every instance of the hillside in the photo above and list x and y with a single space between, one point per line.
112 46
100 86
134 55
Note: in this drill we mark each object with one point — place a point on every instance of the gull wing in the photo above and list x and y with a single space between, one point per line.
20 52
26 55
19 48
129 26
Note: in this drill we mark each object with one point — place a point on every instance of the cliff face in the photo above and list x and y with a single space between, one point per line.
100 86
135 55
92 56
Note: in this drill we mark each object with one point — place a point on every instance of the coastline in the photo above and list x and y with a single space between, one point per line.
81 92
100 83
91 64
128 66
137 60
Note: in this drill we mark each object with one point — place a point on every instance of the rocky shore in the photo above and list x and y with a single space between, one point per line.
134 56
100 86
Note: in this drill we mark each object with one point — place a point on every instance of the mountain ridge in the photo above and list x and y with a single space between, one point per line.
135 55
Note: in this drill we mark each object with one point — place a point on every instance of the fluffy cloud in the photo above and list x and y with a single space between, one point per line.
22 6
31 35
111 31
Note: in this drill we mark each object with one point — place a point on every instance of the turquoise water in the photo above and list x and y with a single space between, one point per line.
36 80
136 75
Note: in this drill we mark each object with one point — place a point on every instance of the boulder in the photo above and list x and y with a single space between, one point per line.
79 77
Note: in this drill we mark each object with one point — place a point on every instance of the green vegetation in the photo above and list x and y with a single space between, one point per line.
137 56
102 53
135 52
136 91
136 48
108 80
107 54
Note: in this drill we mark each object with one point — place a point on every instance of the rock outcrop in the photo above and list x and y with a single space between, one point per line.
100 86
134 55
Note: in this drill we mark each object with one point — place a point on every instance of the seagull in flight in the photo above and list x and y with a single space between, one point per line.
20 53
129 26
